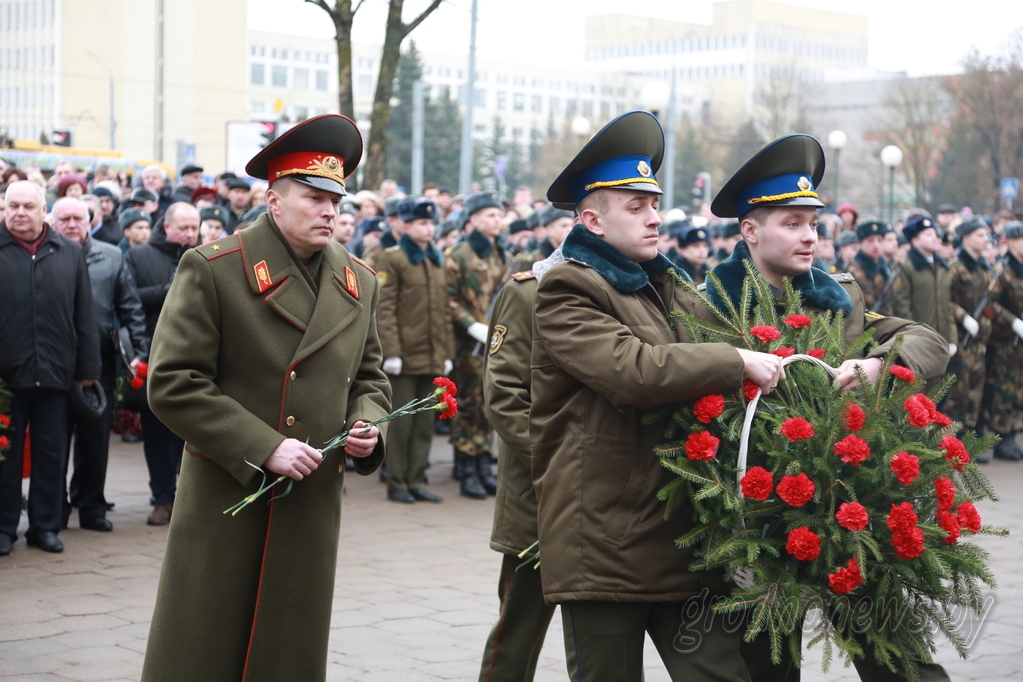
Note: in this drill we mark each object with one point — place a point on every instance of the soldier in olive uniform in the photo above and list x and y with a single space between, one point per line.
475 269
1003 394
415 332
923 292
774 197
388 237
971 278
694 249
606 349
266 348
514 644
868 266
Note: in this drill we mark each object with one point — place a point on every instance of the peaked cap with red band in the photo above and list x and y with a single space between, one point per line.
320 152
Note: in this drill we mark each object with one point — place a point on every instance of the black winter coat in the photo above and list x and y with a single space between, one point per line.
110 231
47 328
152 266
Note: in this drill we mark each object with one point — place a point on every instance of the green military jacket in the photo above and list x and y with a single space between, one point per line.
413 316
923 293
474 269
246 353
506 391
605 349
970 279
871 276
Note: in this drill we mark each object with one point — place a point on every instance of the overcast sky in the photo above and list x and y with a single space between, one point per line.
922 37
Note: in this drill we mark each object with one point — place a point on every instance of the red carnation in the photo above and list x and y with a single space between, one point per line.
949 523
783 351
142 369
798 321
708 407
955 452
765 332
749 389
757 484
816 353
137 382
909 545
797 428
846 579
932 409
5 421
701 445
945 491
942 420
796 490
904 373
803 544
852 449
447 384
902 518
4 443
450 406
854 417
917 413
969 517
906 467
852 516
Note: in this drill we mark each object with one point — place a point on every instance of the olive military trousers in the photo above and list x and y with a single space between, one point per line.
409 438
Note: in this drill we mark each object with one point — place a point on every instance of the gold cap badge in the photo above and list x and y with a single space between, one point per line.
643 168
804 184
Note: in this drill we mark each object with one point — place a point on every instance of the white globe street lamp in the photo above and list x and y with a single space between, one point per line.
891 156
581 126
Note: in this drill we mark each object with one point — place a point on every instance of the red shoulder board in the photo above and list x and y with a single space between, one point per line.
362 263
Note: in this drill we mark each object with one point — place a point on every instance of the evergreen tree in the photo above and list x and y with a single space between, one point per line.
442 141
518 164
398 164
690 158
960 178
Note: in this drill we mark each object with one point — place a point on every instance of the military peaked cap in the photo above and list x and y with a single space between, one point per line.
871 228
214 213
415 209
917 225
971 225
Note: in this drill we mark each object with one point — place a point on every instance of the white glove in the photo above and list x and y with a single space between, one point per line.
448 366
478 331
970 325
952 348
392 366
1017 326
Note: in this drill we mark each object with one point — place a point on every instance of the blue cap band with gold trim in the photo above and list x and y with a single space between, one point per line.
774 190
616 172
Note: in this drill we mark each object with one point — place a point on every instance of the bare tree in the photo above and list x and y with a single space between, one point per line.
394 34
780 102
918 122
342 13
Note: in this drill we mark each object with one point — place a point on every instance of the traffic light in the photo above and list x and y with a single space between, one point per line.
61 138
269 133
701 189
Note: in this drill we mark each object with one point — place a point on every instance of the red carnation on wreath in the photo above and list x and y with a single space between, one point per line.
447 385
854 417
797 428
904 373
5 421
846 579
907 539
902 518
955 452
969 517
816 353
448 405
916 412
702 445
797 321
803 544
142 369
796 490
945 491
765 332
749 389
4 443
949 523
852 449
784 351
757 483
708 407
137 382
906 467
942 420
852 516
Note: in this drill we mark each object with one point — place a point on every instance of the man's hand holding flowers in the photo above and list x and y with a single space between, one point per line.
361 442
846 379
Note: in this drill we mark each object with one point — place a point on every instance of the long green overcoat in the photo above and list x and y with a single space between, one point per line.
246 354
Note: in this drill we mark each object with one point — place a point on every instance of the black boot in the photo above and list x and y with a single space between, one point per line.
1008 449
470 481
458 469
486 473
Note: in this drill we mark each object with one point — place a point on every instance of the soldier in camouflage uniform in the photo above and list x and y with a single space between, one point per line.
1003 395
869 268
971 277
475 269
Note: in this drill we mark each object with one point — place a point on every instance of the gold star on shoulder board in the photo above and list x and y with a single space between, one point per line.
215 247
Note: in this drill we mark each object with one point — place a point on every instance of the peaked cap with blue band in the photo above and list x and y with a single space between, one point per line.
624 154
784 173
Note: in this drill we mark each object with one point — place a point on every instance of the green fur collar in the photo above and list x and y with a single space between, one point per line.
1016 266
483 246
970 262
871 267
624 275
816 286
919 261
415 254
387 240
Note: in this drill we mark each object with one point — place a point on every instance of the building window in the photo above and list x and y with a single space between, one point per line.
300 79
365 84
279 77
257 107
555 106
502 100
258 74
537 104
588 109
301 113
519 101
571 107
480 98
321 80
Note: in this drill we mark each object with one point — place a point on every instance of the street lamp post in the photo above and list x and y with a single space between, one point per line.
891 156
581 126
656 96
113 117
837 140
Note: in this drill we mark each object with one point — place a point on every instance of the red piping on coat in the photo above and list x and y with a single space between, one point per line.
216 256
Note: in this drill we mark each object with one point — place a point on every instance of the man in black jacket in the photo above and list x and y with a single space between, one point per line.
114 297
152 266
47 342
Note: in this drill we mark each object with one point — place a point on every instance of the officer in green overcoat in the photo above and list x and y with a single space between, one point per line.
266 348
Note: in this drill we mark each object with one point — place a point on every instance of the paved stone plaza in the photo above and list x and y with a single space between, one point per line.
416 590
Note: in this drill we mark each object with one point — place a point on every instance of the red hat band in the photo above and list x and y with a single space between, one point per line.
307 163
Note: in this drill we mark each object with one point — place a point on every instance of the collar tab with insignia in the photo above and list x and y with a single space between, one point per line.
351 283
263 280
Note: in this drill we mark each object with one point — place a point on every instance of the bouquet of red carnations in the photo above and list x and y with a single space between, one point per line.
859 503
5 420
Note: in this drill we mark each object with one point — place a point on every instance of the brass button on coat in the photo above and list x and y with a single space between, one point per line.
290 421
292 376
